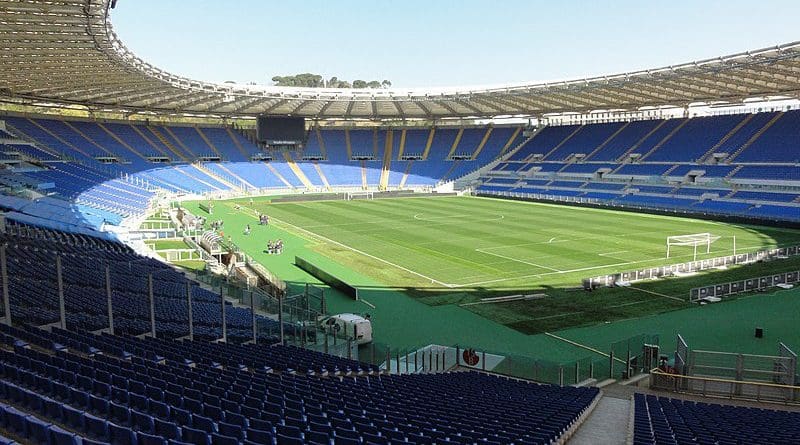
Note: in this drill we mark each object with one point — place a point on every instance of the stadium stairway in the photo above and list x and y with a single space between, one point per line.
241 180
237 143
178 154
608 422
755 137
387 160
208 141
641 141
706 156
322 176
428 144
217 177
296 170
278 175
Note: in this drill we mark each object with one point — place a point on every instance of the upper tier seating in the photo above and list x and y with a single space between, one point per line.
546 140
624 140
585 141
778 143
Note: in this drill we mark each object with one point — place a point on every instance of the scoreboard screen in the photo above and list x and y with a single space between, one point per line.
281 130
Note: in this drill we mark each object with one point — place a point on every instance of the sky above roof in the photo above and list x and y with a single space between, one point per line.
420 43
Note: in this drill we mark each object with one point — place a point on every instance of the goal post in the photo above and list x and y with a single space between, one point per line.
694 240
350 196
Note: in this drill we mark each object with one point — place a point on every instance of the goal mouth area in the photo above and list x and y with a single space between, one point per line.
697 239
694 241
351 196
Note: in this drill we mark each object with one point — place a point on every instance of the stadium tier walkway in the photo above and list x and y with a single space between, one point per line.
608 423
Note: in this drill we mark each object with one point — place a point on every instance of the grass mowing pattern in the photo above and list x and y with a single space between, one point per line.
458 250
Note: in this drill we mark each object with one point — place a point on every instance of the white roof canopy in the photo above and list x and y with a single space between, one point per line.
66 52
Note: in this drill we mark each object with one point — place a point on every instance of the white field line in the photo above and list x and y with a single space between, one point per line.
361 252
465 218
367 303
518 260
612 253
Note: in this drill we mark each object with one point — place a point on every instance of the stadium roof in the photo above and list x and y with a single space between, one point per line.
66 52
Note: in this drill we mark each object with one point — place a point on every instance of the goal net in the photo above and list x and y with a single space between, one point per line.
359 195
702 240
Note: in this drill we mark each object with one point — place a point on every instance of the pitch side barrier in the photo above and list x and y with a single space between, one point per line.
326 277
750 285
689 267
342 196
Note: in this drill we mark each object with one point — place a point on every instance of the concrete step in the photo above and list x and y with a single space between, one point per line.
608 423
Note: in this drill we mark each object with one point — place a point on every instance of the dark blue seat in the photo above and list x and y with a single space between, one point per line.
14 420
121 435
259 436
203 423
149 439
195 436
59 436
38 430
165 429
228 429
218 439
96 427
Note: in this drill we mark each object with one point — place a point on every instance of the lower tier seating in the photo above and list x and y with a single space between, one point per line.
664 421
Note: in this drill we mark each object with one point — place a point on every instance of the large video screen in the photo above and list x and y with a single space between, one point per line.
277 130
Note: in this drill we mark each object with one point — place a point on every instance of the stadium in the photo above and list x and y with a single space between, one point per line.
612 259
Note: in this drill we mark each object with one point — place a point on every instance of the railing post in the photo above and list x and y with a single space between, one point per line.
224 319
152 305
611 365
62 310
191 315
110 303
253 317
628 364
560 375
4 273
280 317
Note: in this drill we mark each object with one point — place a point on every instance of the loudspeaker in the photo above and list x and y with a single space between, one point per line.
759 333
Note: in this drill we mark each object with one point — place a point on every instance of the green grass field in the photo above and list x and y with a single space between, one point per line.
458 243
422 262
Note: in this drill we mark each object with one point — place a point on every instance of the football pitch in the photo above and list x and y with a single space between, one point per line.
466 242
449 253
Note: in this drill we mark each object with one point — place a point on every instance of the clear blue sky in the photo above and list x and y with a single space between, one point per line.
417 43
